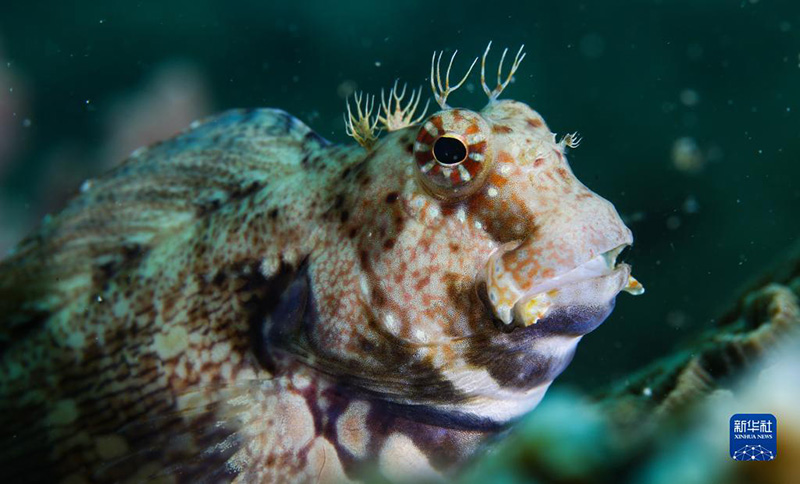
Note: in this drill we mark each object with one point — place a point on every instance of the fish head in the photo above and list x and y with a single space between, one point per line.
469 264
554 243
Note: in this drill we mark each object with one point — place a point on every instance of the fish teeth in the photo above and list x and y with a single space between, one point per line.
534 309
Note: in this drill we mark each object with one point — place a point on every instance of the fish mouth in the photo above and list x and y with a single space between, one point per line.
594 283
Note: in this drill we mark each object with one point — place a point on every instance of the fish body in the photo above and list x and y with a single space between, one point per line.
248 302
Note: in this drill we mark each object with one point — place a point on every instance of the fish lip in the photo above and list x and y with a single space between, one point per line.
602 271
600 265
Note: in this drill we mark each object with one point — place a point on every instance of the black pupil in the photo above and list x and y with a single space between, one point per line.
449 151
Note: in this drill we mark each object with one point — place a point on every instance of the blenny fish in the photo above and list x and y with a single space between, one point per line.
248 302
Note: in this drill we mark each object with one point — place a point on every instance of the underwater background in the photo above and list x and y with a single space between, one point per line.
690 114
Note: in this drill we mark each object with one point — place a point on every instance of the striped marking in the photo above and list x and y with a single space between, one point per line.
431 129
465 175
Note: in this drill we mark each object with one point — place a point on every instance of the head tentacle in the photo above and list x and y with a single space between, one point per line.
362 126
442 92
493 94
394 114
571 140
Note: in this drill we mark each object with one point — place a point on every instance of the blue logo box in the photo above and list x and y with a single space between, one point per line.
754 437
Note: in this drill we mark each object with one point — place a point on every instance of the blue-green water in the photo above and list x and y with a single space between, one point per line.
690 114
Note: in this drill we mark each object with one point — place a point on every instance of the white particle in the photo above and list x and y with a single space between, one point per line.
505 169
475 138
492 192
673 222
390 323
690 205
420 335
689 97
364 286
478 225
86 186
377 63
648 392
26 123
461 215
433 211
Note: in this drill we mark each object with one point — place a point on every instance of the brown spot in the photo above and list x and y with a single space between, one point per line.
471 129
479 147
499 128
273 214
477 202
208 207
454 247
562 173
352 233
504 157
535 122
388 244
338 201
437 121
538 162
344 216
409 148
391 197
378 297
497 180
241 192
422 283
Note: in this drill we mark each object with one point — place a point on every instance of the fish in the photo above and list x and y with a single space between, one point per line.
249 302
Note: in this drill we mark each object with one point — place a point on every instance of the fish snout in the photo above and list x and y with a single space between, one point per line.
563 269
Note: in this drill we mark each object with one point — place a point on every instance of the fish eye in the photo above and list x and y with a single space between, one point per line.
452 153
449 150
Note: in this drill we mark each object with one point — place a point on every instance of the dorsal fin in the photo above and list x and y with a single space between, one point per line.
156 192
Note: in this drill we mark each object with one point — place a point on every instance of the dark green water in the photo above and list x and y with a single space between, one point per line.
636 78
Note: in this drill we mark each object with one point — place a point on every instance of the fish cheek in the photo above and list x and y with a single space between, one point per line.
504 218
